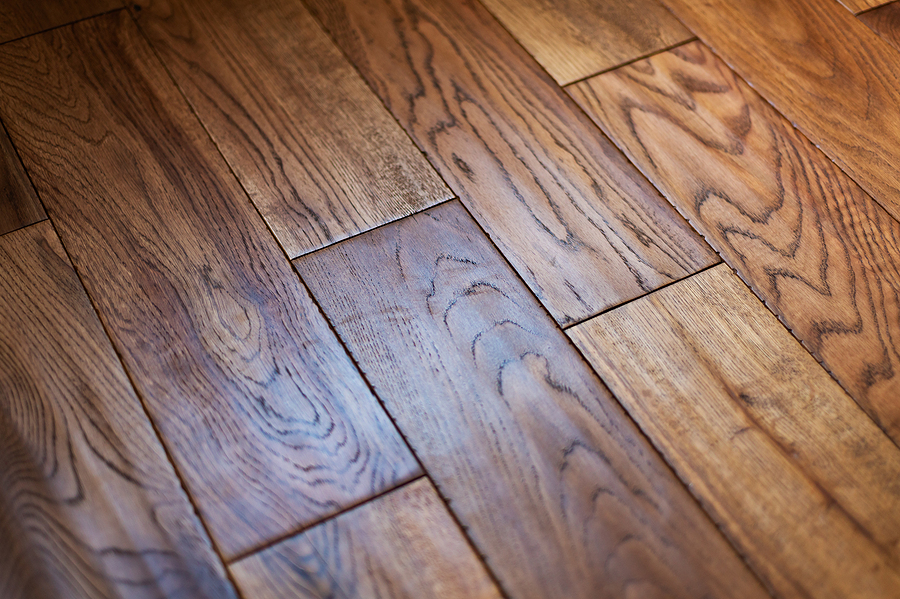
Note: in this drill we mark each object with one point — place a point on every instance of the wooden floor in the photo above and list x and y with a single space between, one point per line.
449 298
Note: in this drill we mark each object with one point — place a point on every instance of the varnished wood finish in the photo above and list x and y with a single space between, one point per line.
790 467
885 21
89 505
574 39
581 226
553 483
312 145
19 18
858 6
821 67
403 545
19 205
820 252
263 412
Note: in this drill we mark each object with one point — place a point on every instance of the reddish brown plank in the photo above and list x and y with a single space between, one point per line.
581 226
312 145
19 18
89 504
262 410
885 21
19 205
556 487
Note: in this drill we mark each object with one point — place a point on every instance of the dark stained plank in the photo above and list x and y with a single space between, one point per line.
19 205
554 484
806 486
313 146
573 39
89 504
885 21
19 18
820 252
823 69
262 410
581 226
403 545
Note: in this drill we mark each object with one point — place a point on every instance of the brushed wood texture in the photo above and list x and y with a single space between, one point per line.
313 146
573 39
19 204
552 481
823 69
89 505
581 226
261 408
821 253
806 486
885 21
403 545
19 18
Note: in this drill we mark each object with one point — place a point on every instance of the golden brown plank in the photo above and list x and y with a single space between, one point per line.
313 146
885 21
577 221
403 545
574 39
790 467
820 252
821 67
19 18
19 205
262 410
858 6
553 483
89 505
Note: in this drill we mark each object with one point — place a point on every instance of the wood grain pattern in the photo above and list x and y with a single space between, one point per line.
313 146
575 219
823 69
573 39
820 252
858 6
403 545
19 18
553 483
885 21
803 482
264 413
89 505
19 205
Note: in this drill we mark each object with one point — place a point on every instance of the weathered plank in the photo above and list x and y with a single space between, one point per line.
19 205
263 412
19 18
312 145
89 505
806 486
403 545
581 226
554 484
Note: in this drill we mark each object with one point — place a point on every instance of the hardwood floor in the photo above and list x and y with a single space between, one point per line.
437 298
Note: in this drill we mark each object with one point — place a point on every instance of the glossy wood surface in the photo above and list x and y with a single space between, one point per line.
785 462
89 504
19 18
885 21
311 144
263 412
558 490
581 226
19 205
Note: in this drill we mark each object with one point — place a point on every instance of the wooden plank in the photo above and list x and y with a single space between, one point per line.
576 220
556 487
19 205
401 545
858 6
19 18
261 408
312 145
788 465
820 252
885 21
574 39
823 69
89 505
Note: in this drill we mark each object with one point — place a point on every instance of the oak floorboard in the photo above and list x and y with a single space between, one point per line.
19 18
90 507
574 39
885 21
824 70
858 6
555 486
263 412
805 485
403 545
19 204
821 253
581 226
312 145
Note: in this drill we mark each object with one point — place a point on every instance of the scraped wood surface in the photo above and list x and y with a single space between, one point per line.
19 205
